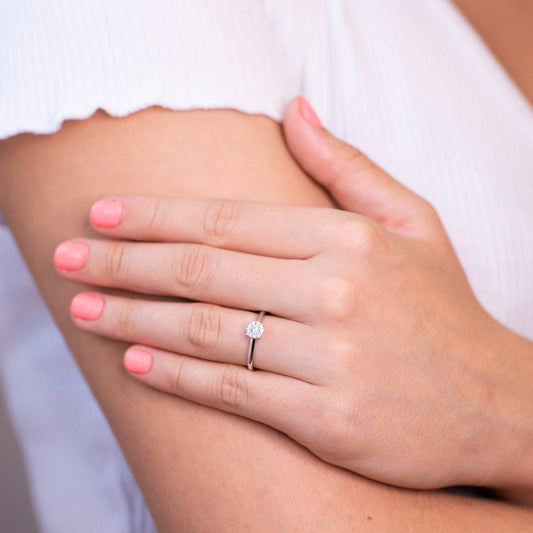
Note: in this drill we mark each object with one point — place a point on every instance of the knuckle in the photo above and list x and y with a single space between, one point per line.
175 383
232 390
220 218
359 236
357 160
351 160
346 228
362 237
329 425
126 319
157 217
203 328
338 297
367 237
339 429
192 266
115 263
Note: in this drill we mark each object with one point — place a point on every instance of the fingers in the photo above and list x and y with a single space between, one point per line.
265 229
355 181
280 402
201 330
196 272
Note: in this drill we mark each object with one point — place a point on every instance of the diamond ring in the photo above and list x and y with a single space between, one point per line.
254 330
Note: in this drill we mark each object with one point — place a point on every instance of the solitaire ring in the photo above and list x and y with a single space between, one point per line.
254 330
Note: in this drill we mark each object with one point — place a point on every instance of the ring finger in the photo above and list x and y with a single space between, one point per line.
201 330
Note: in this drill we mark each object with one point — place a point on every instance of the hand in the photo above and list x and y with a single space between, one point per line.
376 355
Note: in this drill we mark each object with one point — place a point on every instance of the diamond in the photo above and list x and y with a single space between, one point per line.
255 329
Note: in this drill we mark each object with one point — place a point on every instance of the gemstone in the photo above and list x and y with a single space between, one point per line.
255 329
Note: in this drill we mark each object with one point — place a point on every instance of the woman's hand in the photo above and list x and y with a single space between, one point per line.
375 354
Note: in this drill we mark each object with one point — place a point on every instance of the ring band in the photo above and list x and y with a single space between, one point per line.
254 330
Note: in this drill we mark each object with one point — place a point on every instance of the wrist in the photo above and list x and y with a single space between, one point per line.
508 453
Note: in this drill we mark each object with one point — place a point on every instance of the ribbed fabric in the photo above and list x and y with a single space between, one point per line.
408 82
65 59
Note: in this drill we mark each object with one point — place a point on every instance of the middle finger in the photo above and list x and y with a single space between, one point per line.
197 272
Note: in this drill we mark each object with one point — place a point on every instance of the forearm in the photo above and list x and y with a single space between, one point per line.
188 459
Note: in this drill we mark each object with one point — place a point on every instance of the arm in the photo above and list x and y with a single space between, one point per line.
357 318
252 475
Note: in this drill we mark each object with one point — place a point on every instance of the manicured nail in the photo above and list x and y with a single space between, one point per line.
71 255
138 361
309 113
87 306
107 213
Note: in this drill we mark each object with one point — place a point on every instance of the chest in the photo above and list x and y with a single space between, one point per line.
506 26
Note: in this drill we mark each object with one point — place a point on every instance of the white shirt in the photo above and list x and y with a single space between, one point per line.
408 82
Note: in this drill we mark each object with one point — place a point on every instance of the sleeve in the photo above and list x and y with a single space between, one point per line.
64 60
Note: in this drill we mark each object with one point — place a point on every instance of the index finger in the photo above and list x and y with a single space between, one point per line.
284 231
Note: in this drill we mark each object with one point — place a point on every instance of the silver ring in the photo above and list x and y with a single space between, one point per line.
254 330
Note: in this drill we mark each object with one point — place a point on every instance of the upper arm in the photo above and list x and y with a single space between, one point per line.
199 469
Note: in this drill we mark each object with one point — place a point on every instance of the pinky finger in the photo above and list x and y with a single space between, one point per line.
278 401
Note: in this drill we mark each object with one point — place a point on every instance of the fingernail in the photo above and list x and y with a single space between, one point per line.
138 361
87 306
308 113
71 255
107 213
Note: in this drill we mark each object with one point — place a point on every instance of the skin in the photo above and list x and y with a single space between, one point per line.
507 28
167 440
330 354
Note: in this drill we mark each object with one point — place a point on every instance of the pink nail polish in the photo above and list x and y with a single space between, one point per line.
107 213
71 255
308 113
138 361
87 306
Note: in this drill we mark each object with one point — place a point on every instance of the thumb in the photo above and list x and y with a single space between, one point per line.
352 179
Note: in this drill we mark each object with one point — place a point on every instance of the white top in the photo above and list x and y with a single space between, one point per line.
408 82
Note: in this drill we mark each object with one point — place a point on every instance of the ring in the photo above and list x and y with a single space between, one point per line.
254 330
